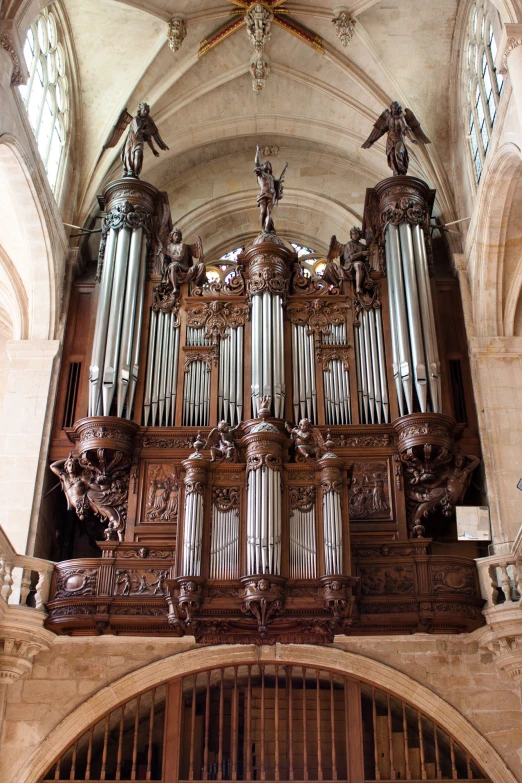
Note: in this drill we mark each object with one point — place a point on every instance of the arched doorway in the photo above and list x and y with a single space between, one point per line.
265 722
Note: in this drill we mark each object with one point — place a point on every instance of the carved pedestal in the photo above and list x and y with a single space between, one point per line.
263 599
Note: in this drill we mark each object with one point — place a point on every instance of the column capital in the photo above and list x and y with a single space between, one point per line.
510 39
10 41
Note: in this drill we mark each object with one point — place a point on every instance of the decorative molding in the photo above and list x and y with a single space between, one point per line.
301 498
9 42
511 45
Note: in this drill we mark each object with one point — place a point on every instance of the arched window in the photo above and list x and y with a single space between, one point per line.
46 93
482 82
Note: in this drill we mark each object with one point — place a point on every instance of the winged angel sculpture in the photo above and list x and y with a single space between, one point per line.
397 124
102 491
308 440
222 442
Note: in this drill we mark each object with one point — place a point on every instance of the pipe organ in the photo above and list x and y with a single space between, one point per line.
228 509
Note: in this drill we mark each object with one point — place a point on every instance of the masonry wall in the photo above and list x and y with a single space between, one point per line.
76 669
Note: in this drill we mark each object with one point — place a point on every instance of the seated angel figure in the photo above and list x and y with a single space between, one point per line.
221 442
181 268
309 442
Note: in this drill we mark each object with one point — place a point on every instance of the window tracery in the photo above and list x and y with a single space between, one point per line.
46 93
482 81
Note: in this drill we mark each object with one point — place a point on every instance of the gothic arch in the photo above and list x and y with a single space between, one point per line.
378 674
496 198
25 240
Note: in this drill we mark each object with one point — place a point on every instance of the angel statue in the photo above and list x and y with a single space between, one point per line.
271 191
221 442
445 493
181 268
309 442
142 129
397 125
354 263
88 489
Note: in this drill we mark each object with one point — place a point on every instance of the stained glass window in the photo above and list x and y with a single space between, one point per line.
45 94
482 82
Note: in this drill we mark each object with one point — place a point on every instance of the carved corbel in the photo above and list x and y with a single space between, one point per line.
263 600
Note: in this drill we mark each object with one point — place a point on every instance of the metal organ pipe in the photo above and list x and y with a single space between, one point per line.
102 319
411 314
195 480
331 486
268 351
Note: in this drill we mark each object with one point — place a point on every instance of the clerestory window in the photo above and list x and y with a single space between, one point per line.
482 82
46 93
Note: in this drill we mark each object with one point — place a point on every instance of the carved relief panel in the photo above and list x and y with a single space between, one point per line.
370 491
160 493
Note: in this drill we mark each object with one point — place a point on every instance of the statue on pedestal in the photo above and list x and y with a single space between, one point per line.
308 441
222 442
141 130
397 124
181 268
271 191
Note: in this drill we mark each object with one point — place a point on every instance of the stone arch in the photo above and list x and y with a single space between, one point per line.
188 662
25 240
496 198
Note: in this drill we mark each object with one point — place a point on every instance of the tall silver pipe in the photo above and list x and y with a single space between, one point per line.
358 372
129 316
428 318
414 317
150 367
225 345
239 375
168 368
102 319
314 386
174 376
158 355
364 387
369 372
136 340
394 340
302 371
256 353
399 309
267 345
382 365
276 348
375 364
115 320
295 371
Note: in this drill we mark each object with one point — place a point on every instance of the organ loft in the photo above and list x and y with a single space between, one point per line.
275 456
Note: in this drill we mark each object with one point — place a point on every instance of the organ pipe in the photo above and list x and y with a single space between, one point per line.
196 476
331 487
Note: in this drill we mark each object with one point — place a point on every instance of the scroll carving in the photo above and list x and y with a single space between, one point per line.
327 354
216 317
200 354
301 498
226 499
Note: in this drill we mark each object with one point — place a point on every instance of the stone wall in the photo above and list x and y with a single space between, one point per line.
447 677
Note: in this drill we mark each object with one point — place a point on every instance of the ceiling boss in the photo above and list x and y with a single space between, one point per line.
258 19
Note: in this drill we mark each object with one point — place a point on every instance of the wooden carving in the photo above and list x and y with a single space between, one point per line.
144 581
308 441
302 498
101 489
162 494
369 491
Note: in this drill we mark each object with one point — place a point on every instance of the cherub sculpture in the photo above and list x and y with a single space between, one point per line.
308 441
354 263
271 191
444 493
397 124
181 268
87 488
141 130
221 442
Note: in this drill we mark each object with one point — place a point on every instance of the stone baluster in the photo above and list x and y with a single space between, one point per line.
505 581
7 579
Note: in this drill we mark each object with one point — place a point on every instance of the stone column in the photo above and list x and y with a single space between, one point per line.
23 420
509 60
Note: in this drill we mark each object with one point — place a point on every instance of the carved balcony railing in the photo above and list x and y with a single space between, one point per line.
396 587
501 585
24 588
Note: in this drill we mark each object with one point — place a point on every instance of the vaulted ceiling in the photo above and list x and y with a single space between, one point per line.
316 107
